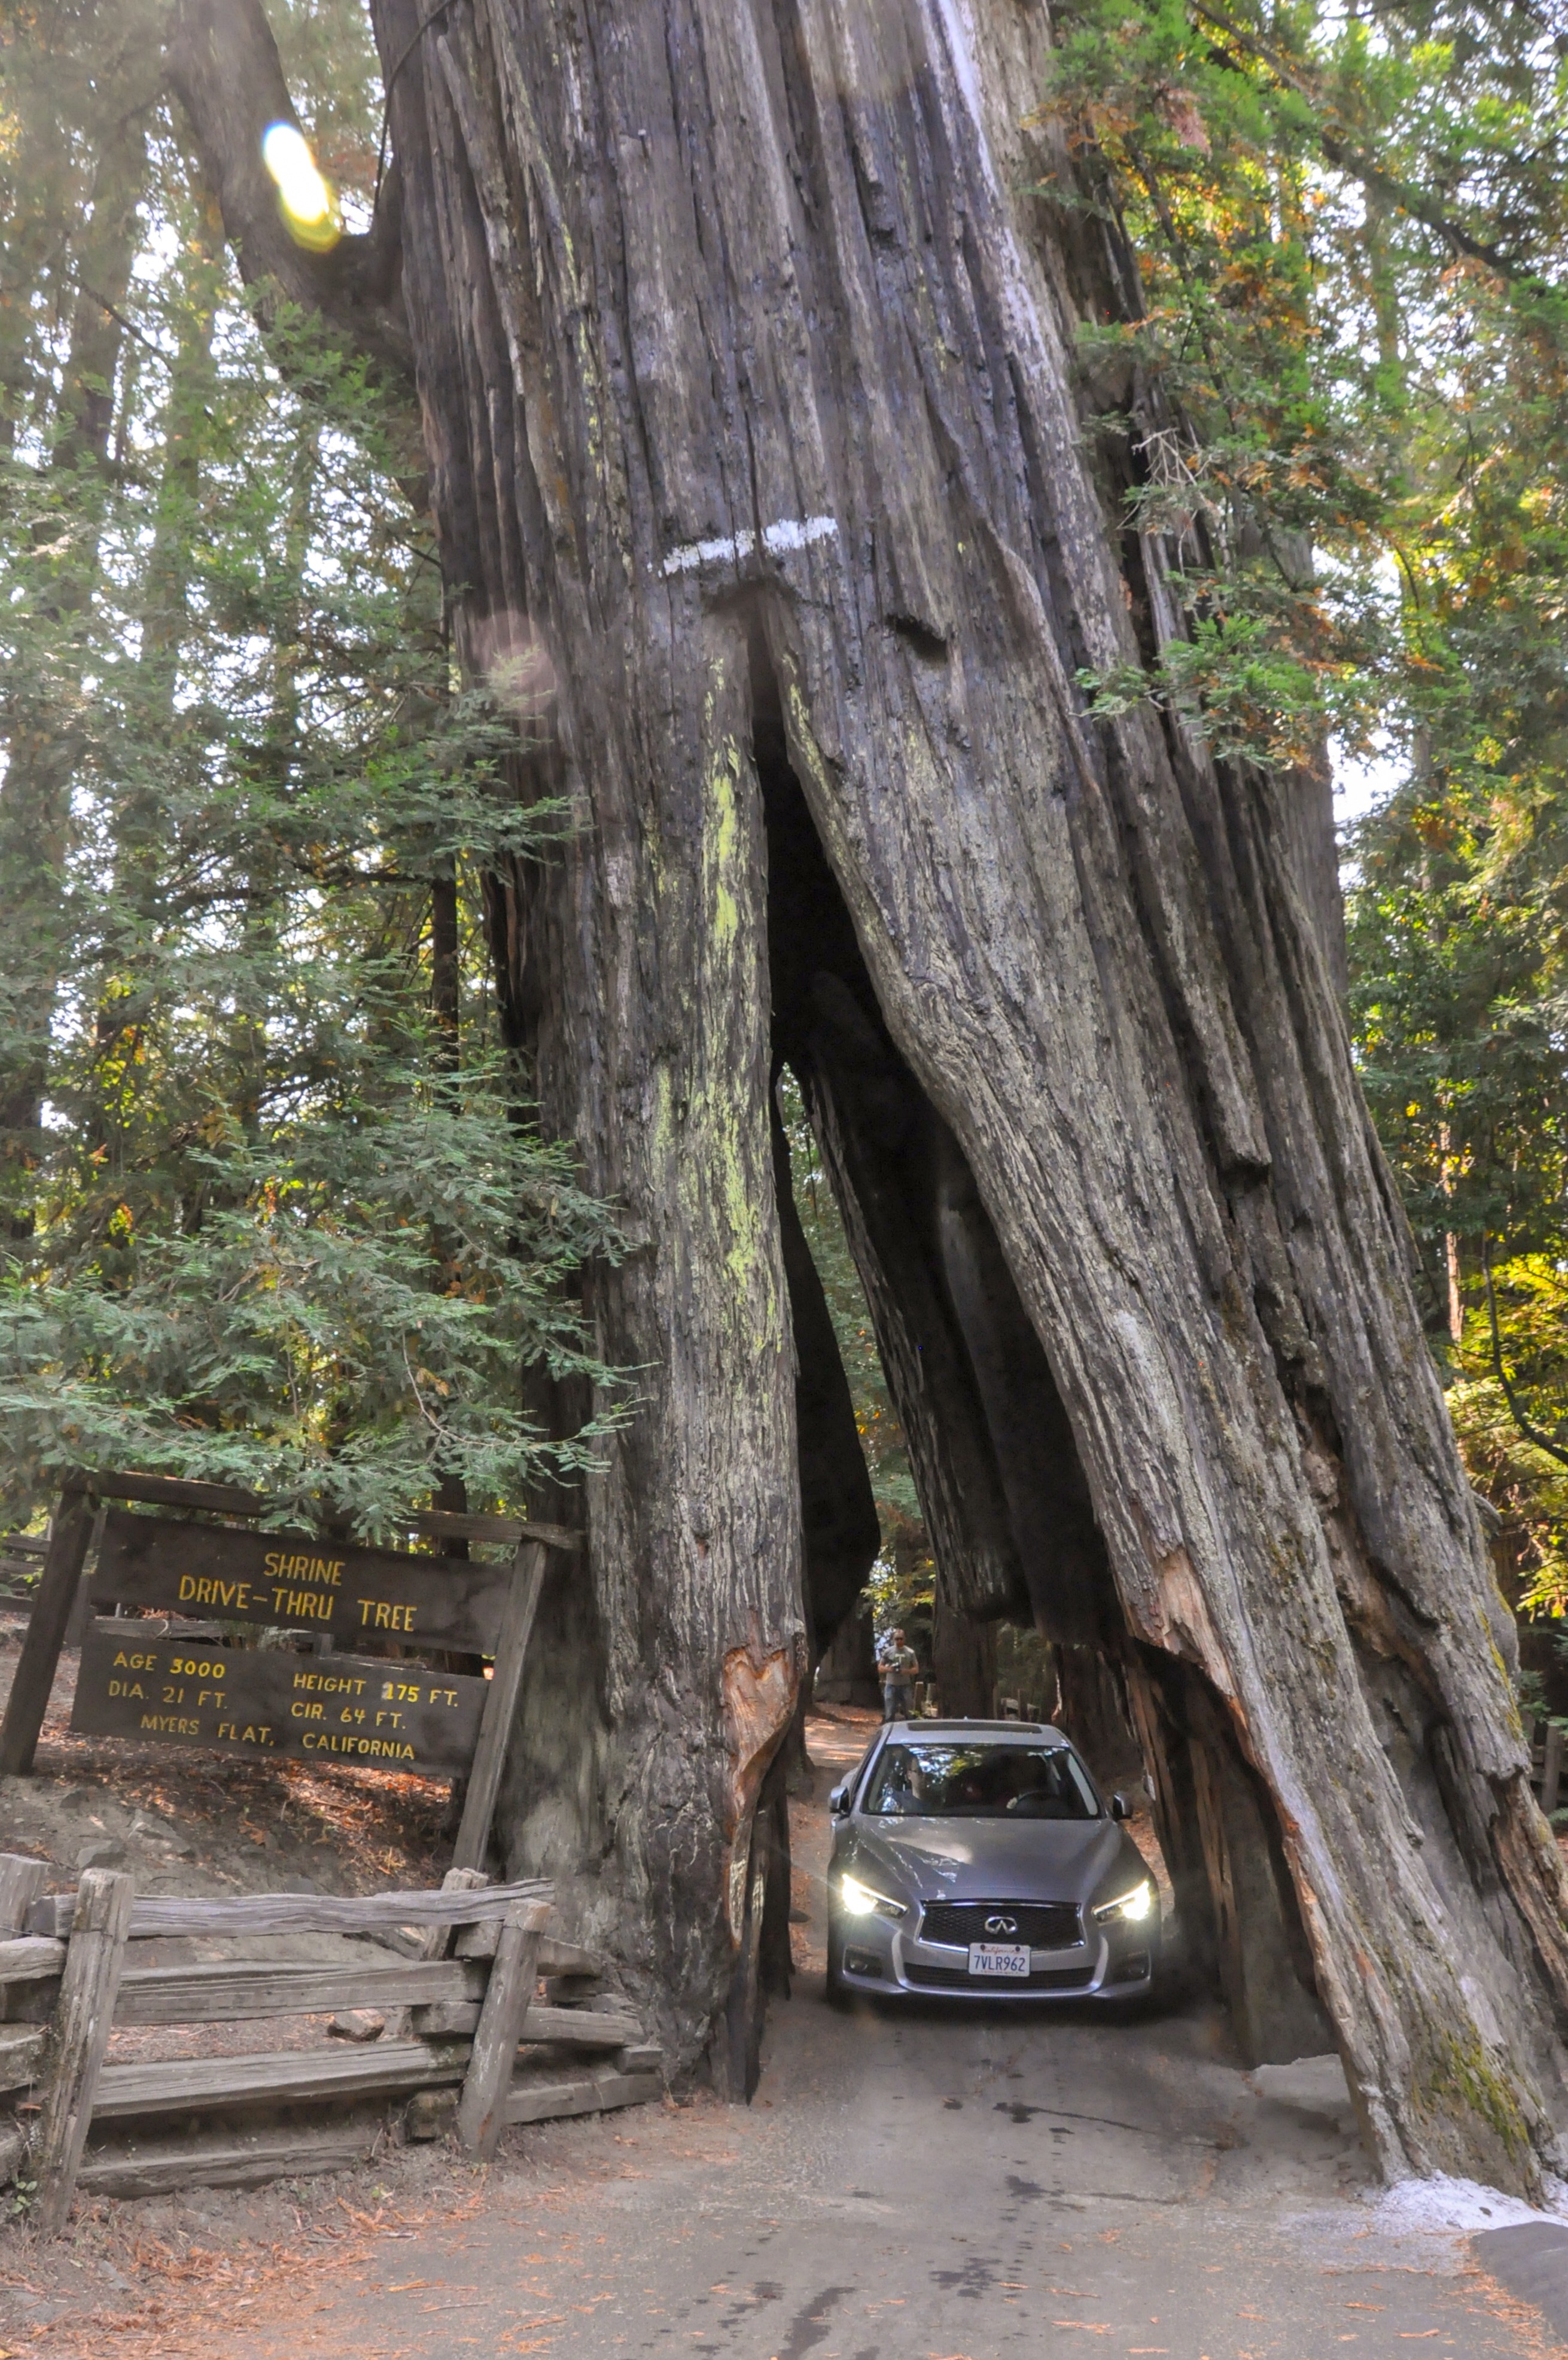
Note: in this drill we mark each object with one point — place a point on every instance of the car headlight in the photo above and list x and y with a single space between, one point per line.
861 1900
1134 1906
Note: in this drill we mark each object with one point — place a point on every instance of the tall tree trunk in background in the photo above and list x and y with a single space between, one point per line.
840 1530
41 718
963 1661
141 789
747 380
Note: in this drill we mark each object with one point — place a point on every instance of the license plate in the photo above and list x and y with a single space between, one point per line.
998 1959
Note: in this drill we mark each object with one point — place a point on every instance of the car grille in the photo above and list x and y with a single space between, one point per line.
1062 1979
1044 1925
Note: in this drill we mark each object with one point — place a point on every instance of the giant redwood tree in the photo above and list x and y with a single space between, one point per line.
744 366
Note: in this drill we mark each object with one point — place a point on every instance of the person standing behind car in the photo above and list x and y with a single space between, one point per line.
899 1666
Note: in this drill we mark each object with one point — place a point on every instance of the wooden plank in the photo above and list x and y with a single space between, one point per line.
136 1682
436 1943
567 2027
171 1492
558 1958
275 2077
92 1965
437 1940
295 1579
70 1529
501 1706
444 1523
21 2051
481 2110
27 1957
225 2161
299 1913
225 1500
22 1880
446 2020
587 2093
582 2027
230 1993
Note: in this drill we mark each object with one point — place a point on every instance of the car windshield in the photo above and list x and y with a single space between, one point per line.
980 1782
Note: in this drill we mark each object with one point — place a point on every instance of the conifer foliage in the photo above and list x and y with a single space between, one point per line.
270 1212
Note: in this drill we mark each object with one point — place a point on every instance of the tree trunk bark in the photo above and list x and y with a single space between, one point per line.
41 718
727 324
840 1530
963 1661
740 361
1089 1706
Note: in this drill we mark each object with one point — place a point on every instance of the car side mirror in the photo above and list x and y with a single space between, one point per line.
838 1801
1119 1810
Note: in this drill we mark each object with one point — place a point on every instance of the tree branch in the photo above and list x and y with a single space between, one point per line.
1346 158
1532 1433
223 64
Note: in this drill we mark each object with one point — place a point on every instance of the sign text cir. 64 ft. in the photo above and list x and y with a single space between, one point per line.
296 1579
329 1710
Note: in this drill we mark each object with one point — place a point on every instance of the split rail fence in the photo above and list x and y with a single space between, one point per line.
474 2041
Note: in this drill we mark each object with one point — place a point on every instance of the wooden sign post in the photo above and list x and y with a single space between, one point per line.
70 1529
144 1681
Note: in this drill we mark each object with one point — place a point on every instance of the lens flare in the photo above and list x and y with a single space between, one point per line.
506 651
859 1900
1136 1904
304 199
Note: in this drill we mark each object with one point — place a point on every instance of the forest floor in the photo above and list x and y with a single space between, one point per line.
920 2184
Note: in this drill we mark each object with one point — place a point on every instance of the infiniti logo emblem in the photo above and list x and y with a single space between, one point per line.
1002 1925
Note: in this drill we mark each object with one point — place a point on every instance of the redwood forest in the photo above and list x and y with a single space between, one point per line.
784 950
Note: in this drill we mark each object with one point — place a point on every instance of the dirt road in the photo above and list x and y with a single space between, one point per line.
937 2185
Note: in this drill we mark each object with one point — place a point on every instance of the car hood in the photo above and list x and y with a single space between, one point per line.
995 1860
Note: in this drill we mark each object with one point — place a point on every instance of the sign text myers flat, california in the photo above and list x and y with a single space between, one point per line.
299 1581
331 1709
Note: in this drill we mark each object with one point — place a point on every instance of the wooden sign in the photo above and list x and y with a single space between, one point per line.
298 1580
330 1709
174 1689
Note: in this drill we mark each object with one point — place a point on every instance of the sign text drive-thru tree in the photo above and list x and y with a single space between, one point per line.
746 381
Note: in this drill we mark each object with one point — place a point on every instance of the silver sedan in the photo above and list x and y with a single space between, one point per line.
978 1857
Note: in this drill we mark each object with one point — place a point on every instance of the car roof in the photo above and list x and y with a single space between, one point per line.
984 1732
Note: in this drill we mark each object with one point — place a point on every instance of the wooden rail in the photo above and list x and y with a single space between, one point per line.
229 1994
186 2083
298 1913
467 2015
